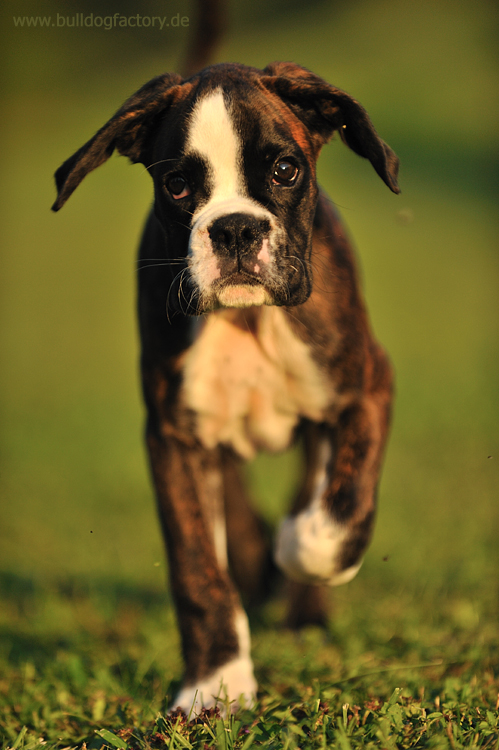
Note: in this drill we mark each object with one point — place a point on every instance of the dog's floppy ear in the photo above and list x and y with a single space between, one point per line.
324 108
126 131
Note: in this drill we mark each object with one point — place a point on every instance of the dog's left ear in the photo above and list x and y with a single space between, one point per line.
127 132
324 108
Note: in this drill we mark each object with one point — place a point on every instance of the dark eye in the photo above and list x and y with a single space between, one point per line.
285 173
178 187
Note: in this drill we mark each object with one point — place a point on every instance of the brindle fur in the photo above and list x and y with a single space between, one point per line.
327 313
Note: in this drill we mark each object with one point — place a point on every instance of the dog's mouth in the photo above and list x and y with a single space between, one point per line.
237 289
240 289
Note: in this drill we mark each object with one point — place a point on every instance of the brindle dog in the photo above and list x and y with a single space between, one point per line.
254 332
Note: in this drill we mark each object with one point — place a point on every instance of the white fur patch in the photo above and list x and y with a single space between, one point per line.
309 545
243 295
249 388
203 263
213 137
233 682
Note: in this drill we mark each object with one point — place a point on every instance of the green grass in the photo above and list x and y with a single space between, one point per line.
88 641
397 668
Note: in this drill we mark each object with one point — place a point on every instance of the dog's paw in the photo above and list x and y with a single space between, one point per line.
309 546
232 685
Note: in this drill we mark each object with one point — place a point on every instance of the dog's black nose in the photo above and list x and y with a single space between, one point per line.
238 234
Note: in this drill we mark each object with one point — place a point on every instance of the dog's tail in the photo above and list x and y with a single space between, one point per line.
208 29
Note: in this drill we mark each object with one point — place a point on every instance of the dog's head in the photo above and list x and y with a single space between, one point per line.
232 153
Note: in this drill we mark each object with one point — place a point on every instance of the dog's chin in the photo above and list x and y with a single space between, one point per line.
242 295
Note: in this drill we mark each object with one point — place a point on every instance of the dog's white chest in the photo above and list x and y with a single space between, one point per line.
248 388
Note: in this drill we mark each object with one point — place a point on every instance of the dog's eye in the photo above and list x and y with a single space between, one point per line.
178 187
284 173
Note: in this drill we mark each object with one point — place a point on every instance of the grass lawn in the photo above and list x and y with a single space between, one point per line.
89 650
398 668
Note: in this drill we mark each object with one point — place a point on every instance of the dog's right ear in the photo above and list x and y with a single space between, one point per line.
127 132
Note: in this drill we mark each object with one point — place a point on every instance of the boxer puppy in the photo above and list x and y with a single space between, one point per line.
254 334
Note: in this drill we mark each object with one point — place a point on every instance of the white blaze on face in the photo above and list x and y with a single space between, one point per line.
213 137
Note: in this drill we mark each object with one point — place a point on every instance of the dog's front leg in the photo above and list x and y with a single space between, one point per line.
324 538
213 625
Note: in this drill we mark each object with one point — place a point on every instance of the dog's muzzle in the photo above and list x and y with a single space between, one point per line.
232 257
240 243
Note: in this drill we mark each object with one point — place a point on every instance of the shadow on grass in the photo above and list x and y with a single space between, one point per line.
98 621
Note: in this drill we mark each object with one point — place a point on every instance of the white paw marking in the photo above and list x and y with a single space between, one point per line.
309 545
234 682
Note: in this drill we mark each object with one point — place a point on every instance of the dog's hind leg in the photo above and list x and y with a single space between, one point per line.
213 626
251 560
307 605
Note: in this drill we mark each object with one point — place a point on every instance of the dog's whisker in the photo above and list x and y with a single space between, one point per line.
176 260
150 166
192 297
166 264
181 287
179 274
185 226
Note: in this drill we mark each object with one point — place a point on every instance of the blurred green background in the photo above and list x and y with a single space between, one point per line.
76 502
